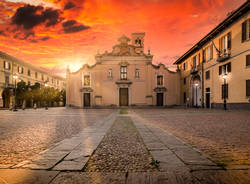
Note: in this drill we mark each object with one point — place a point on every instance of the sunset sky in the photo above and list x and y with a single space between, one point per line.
55 33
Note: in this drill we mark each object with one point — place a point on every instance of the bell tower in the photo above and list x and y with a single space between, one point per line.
138 42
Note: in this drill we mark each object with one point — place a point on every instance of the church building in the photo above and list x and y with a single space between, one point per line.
123 77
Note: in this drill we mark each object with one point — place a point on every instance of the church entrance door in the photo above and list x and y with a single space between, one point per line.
159 99
123 96
86 99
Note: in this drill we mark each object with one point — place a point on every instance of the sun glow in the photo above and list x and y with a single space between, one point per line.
73 67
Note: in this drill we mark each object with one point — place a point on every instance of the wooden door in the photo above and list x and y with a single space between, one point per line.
207 97
86 99
123 97
159 99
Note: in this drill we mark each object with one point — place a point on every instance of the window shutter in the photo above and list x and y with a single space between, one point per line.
220 45
229 67
248 60
229 40
248 28
204 55
220 70
244 30
211 52
247 87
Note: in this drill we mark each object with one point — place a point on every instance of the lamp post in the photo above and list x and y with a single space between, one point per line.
15 77
46 106
224 76
196 86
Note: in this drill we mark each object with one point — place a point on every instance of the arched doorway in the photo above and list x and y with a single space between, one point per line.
195 91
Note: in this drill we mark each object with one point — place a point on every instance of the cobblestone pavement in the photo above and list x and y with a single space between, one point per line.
24 134
121 150
112 144
222 136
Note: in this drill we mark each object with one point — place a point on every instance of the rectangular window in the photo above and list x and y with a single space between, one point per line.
137 73
248 60
208 53
6 65
225 43
42 77
86 80
225 68
123 72
224 90
36 75
194 61
20 69
110 73
28 72
245 34
159 80
184 80
248 87
28 83
52 80
207 75
47 79
184 66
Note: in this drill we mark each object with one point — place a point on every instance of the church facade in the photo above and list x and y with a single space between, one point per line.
123 77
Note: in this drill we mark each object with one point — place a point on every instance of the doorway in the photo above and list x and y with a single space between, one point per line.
123 97
207 97
159 99
86 99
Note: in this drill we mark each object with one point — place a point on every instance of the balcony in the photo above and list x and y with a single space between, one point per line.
195 69
224 55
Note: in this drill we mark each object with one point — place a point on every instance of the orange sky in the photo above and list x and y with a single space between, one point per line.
55 33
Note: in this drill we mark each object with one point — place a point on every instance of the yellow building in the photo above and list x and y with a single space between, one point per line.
217 68
10 66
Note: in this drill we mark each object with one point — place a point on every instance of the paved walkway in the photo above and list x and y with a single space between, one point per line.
174 160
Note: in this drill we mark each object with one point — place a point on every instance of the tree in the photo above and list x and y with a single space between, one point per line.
63 95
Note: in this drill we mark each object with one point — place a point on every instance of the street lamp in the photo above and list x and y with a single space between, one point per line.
15 77
196 86
46 106
224 76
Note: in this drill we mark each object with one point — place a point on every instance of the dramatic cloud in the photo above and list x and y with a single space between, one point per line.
44 32
30 16
69 23
73 29
69 5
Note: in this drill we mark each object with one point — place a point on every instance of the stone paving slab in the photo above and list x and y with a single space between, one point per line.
89 178
25 176
123 178
69 150
172 153
72 165
222 177
161 178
